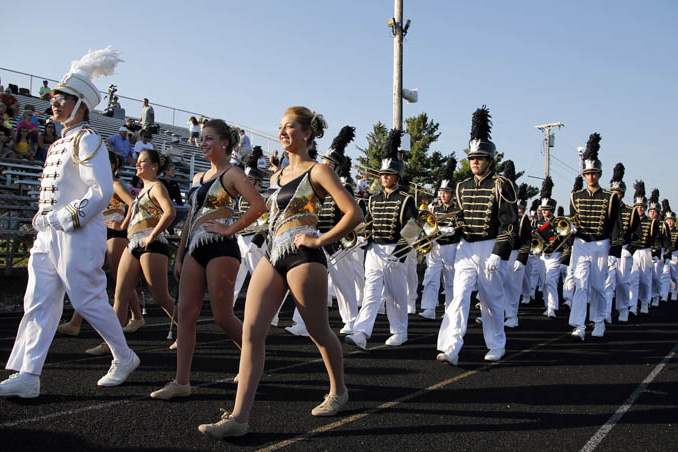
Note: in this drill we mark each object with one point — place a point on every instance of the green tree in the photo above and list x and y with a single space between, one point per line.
372 154
423 132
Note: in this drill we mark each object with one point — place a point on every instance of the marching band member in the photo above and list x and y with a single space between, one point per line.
208 256
440 260
550 255
532 278
251 239
596 212
670 254
620 259
75 188
295 262
658 245
388 212
566 258
514 282
488 213
640 247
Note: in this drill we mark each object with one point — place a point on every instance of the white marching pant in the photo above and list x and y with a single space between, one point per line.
382 275
513 285
550 274
589 261
341 274
617 285
657 270
641 278
469 270
568 282
412 281
670 276
65 262
439 262
250 255
534 264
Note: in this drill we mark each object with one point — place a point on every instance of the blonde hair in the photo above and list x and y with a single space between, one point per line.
308 120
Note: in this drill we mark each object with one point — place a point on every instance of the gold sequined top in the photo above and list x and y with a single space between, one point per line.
146 215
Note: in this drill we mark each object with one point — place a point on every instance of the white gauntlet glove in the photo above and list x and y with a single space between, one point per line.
517 265
491 265
447 230
40 222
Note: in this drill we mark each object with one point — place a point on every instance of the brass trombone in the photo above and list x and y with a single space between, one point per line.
350 241
413 187
563 226
537 244
430 232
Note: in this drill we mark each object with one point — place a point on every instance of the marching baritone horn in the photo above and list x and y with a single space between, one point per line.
563 226
536 244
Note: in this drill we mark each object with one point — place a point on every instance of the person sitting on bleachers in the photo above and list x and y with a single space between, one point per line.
120 144
172 185
5 118
23 148
132 125
45 140
10 101
6 142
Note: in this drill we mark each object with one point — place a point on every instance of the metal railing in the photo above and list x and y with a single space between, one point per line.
164 115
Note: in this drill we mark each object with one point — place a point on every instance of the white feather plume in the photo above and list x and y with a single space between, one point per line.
97 63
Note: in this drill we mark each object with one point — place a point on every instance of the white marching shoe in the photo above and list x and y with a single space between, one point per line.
644 308
298 329
579 332
598 330
396 339
511 322
358 339
449 357
119 372
347 329
495 354
20 385
428 314
623 315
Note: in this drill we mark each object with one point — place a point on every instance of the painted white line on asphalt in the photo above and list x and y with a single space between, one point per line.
388 405
616 417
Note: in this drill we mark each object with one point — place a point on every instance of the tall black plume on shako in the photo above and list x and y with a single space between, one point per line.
448 174
522 195
535 205
338 147
578 183
509 170
390 163
639 193
666 209
561 211
547 203
345 171
480 144
654 200
591 161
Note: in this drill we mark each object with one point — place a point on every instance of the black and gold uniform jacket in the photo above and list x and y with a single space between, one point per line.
552 241
328 216
488 211
438 209
523 239
388 213
673 241
648 231
662 242
596 214
628 229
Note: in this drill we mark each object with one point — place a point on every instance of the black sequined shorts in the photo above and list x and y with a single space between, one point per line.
153 247
298 257
223 247
115 234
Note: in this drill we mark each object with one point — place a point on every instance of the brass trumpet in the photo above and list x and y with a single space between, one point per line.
413 187
430 226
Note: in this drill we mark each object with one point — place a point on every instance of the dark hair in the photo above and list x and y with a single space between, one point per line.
157 158
193 120
309 120
75 99
224 131
116 162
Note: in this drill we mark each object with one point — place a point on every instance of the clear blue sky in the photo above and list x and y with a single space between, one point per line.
606 66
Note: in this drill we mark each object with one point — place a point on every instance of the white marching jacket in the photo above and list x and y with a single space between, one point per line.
77 182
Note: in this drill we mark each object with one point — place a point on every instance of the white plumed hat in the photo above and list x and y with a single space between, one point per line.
78 80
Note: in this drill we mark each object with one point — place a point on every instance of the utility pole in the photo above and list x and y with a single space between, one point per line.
398 31
548 143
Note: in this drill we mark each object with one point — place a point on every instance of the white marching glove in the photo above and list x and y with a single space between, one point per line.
517 265
40 222
447 230
655 259
492 264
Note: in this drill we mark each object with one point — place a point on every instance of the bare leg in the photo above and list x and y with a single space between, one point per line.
126 283
191 290
154 266
221 274
308 284
264 296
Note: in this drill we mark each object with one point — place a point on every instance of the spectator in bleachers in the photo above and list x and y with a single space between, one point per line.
23 148
147 115
132 125
30 123
10 101
140 145
245 143
275 161
284 161
45 140
262 163
5 118
120 144
193 131
2 88
6 142
172 185
45 90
